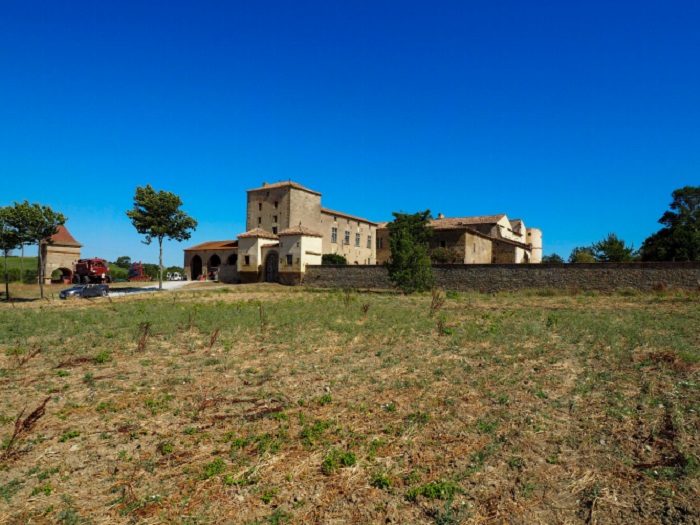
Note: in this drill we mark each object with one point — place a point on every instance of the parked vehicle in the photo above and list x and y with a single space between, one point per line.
91 271
84 291
174 276
137 273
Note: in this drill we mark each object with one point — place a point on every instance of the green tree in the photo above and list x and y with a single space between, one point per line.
157 215
123 262
679 239
445 256
333 258
613 249
553 259
9 240
582 254
409 265
36 223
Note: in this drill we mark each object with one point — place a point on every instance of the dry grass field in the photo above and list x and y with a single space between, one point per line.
270 405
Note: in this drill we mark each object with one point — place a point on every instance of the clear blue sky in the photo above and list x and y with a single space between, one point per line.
580 118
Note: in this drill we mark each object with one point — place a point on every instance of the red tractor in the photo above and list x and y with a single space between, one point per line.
137 273
91 271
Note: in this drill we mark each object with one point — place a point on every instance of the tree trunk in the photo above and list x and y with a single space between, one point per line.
160 264
7 280
40 273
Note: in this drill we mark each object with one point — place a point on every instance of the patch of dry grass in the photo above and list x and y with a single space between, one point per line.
278 405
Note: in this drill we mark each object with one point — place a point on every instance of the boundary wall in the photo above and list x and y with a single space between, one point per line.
508 277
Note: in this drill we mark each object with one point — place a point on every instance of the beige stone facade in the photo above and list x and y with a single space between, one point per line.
349 236
298 248
203 260
60 253
485 239
288 229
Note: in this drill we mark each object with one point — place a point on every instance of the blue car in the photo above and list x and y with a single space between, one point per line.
85 290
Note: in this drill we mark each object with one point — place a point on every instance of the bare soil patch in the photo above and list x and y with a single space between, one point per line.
264 404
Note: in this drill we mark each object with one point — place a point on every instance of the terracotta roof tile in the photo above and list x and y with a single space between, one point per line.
300 230
457 222
345 215
466 221
288 184
258 233
214 245
63 236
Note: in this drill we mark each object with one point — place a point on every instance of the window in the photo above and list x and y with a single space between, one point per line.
380 243
259 220
289 259
369 241
259 206
276 204
274 230
443 244
357 239
334 235
274 218
346 240
247 260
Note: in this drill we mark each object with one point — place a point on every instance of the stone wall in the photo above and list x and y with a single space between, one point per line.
228 273
506 277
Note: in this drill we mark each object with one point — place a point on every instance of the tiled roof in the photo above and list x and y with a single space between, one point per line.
258 233
300 230
63 236
214 245
466 221
345 215
288 184
457 222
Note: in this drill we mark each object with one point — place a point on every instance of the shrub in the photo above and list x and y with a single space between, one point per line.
333 258
30 277
445 256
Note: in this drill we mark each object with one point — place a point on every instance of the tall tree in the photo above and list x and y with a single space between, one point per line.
613 249
123 261
582 254
553 259
9 240
157 215
409 266
36 223
679 239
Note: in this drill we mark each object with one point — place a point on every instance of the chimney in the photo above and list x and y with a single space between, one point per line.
264 184
441 215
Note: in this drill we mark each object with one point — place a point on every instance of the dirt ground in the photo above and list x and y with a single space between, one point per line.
264 404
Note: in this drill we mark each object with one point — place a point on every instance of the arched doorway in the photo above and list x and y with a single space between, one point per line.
213 267
196 267
272 267
62 275
214 262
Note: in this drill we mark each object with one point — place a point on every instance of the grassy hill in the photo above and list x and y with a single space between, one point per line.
263 404
30 263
